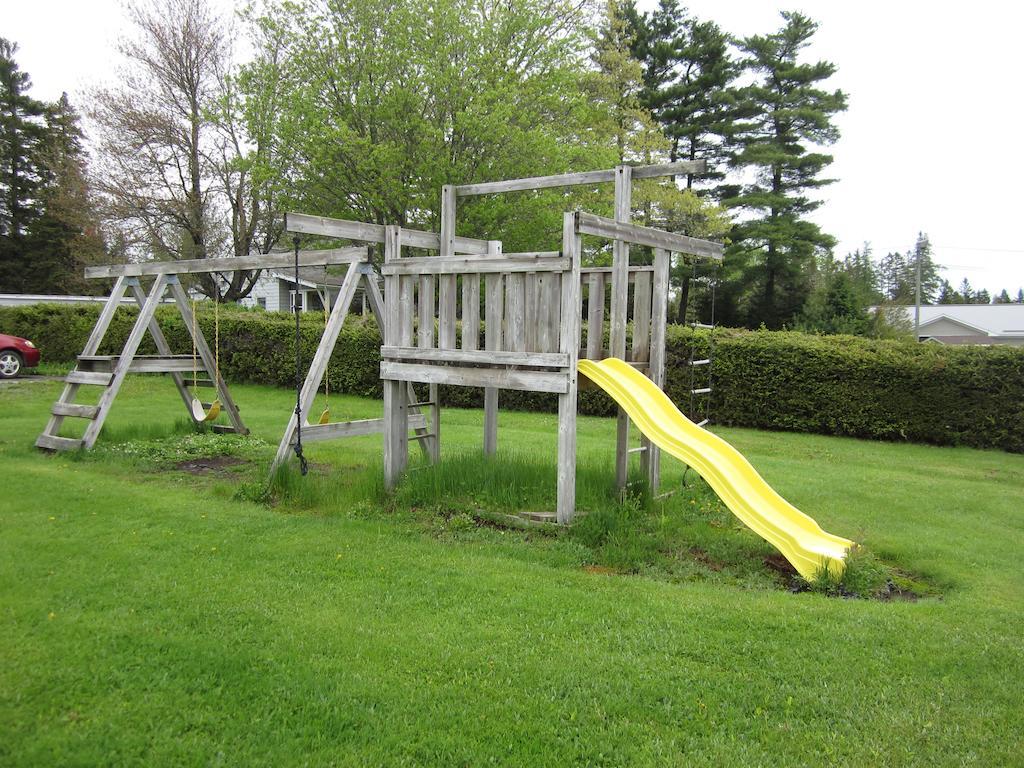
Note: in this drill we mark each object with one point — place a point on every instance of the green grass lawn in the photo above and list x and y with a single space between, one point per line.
153 616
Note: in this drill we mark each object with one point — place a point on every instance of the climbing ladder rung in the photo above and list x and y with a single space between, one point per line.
705 361
73 409
54 443
422 404
701 391
84 377
426 436
702 422
703 325
638 449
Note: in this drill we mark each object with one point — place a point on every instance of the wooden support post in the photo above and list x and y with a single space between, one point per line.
659 309
206 355
124 361
396 417
92 345
162 347
569 335
619 312
494 310
318 366
371 294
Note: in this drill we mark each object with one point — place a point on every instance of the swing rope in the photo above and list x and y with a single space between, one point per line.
303 465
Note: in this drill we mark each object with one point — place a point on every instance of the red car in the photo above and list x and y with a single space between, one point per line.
15 354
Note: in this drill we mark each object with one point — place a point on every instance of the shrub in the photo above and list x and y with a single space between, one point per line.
837 385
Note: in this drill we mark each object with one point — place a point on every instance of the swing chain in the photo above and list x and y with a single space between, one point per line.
303 465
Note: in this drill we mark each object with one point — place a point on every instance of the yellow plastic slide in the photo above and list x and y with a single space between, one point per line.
731 476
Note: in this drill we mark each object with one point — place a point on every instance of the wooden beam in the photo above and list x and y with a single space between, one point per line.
531 381
477 357
592 224
256 261
569 341
324 226
620 311
315 433
576 179
439 265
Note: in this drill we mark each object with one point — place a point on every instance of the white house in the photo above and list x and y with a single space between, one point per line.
275 290
969 323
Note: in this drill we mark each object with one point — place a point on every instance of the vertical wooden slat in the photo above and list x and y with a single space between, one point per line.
619 308
426 306
532 310
405 310
515 312
595 317
539 316
659 312
471 311
642 317
551 316
446 311
569 334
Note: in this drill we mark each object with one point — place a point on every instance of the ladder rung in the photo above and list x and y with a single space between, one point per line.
54 443
638 449
702 325
426 436
202 383
705 361
422 404
701 391
73 409
223 428
702 422
84 377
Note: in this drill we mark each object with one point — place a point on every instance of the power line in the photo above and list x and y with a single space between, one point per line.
972 248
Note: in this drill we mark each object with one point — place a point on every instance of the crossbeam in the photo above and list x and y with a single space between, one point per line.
592 224
578 179
303 223
235 264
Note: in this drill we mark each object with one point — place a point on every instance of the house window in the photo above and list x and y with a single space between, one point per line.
261 302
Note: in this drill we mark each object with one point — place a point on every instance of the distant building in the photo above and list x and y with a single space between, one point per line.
968 323
276 291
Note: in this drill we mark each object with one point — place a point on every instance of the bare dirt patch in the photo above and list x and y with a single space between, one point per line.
209 465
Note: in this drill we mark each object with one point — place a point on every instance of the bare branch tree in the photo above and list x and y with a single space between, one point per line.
173 152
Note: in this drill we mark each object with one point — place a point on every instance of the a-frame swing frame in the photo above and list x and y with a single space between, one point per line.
109 371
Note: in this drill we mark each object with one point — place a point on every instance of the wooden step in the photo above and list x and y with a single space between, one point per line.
706 361
701 391
85 377
54 443
73 409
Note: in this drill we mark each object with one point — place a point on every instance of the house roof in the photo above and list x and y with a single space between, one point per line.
311 276
1002 320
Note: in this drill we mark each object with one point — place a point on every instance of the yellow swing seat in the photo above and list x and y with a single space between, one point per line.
325 417
200 414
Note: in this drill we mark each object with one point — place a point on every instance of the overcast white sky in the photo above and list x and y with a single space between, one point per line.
931 140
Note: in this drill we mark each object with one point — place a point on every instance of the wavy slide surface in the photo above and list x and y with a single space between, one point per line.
798 537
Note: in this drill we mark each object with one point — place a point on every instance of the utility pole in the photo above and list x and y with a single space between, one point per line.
917 306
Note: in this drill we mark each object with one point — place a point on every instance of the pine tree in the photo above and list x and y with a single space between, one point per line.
22 136
966 292
774 248
1020 296
982 297
66 236
1002 298
947 294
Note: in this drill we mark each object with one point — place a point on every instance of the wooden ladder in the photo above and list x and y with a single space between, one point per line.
109 371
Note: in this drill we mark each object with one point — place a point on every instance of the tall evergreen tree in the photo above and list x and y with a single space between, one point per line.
1002 298
774 246
1020 296
22 137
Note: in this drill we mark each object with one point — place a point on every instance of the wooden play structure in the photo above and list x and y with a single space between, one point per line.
532 305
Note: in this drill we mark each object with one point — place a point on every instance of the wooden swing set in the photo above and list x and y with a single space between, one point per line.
532 305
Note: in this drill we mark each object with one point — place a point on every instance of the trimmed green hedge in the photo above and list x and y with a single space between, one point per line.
836 385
